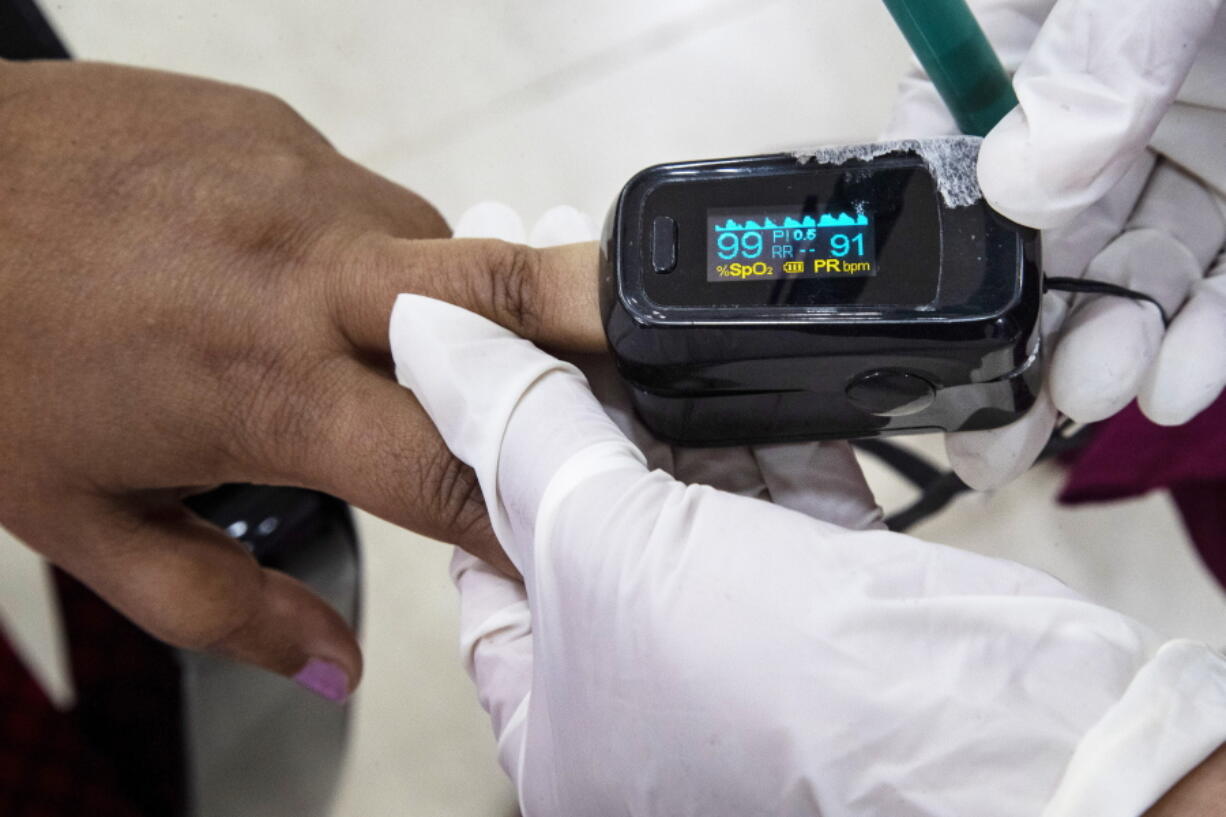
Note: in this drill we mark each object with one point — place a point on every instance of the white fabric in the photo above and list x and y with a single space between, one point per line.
491 219
1098 81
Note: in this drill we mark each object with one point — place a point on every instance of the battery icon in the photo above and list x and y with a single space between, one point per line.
793 266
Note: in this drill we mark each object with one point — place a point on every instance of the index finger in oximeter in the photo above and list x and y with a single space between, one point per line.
774 298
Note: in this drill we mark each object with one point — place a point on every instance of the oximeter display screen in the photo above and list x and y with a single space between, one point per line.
772 244
798 236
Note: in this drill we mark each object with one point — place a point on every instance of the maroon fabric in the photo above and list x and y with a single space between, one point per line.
118 752
1130 456
128 695
47 769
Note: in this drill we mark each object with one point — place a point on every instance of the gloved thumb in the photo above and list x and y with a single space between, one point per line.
1092 91
496 648
515 414
822 480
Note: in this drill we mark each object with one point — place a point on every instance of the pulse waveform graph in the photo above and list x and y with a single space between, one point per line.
826 220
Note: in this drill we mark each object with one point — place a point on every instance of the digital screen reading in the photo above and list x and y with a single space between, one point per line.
782 243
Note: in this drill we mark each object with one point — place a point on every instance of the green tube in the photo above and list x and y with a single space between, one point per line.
951 46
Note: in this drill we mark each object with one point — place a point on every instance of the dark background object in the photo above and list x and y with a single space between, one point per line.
255 742
25 34
1132 456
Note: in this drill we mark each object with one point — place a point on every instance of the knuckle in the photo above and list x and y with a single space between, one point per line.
511 283
215 626
225 606
277 112
212 601
279 409
282 239
451 497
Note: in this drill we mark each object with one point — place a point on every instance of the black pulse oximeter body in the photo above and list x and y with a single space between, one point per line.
767 299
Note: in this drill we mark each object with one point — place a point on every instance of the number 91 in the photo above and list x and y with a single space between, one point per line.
841 245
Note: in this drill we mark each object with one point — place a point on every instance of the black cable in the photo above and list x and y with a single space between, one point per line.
911 466
939 488
1092 287
934 498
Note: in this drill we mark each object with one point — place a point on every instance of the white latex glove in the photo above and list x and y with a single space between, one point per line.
1096 80
823 480
679 650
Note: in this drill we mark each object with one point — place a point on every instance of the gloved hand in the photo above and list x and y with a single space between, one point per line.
675 649
1096 80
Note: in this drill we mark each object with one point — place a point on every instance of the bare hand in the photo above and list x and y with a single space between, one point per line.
194 289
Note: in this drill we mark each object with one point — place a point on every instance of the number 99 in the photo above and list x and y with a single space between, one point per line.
729 246
752 245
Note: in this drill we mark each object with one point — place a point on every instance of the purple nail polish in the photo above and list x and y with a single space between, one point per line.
325 679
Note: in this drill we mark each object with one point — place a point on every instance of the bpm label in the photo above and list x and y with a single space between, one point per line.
840 266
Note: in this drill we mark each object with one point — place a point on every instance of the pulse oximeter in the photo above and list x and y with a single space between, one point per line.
776 298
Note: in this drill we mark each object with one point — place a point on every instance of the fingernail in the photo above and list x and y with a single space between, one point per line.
325 679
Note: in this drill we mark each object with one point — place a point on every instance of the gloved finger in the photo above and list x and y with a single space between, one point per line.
1178 204
986 460
1110 342
607 386
1203 86
475 379
491 219
188 584
1190 133
1190 372
548 295
614 397
496 649
1069 248
562 225
822 480
733 469
1092 90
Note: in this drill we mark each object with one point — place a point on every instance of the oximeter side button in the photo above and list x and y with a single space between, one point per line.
890 394
663 244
